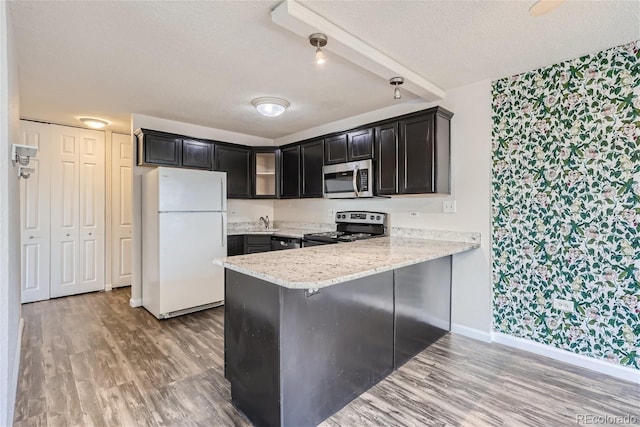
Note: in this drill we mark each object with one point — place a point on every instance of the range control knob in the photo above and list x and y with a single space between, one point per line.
378 217
371 217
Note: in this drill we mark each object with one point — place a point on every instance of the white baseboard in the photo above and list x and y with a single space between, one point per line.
601 366
135 302
466 331
13 386
108 287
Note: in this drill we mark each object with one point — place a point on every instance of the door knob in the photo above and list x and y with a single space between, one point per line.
90 234
68 234
31 237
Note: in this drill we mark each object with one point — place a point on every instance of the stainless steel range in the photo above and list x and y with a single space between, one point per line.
351 226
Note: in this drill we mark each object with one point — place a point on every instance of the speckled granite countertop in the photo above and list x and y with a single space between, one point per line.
321 266
284 229
284 232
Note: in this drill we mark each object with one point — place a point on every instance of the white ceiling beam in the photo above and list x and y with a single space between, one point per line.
298 19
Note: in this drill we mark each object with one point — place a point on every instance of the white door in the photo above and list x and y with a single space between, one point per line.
77 210
121 210
34 215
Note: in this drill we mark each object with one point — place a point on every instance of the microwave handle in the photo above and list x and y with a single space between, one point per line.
355 181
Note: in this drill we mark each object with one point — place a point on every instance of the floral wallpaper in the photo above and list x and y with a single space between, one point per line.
566 205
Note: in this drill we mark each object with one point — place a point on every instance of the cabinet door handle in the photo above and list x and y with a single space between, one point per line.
68 234
90 234
31 237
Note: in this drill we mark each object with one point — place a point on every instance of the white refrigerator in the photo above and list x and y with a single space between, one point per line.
184 223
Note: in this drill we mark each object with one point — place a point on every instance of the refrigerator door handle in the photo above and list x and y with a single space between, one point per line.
224 232
222 195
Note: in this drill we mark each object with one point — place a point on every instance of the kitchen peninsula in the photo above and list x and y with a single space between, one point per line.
309 330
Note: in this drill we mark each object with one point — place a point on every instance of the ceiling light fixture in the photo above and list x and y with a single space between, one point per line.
396 81
318 40
542 7
93 122
269 106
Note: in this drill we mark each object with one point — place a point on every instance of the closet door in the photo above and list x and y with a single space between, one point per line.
121 210
77 211
34 215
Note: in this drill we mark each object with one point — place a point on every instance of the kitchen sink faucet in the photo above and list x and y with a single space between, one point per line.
265 221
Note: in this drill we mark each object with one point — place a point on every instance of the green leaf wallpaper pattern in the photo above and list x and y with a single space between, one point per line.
566 204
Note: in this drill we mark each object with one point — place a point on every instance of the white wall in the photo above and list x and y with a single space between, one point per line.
248 210
243 210
471 186
10 314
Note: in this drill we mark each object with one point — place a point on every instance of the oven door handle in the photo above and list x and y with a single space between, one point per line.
355 181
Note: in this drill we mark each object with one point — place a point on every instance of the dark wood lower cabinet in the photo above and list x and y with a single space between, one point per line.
254 244
235 245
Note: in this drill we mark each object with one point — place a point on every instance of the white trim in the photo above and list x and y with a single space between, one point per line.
13 387
108 287
601 366
466 331
135 302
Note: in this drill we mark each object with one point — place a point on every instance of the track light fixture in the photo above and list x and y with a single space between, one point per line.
318 40
396 81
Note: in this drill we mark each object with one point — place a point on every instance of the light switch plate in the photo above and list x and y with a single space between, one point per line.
449 206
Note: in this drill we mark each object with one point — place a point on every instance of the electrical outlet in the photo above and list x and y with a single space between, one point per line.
449 206
563 304
331 213
414 213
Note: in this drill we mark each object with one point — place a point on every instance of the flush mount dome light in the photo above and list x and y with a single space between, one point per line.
542 7
270 107
93 122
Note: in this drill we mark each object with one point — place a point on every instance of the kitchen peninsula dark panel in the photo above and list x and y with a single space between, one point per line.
295 358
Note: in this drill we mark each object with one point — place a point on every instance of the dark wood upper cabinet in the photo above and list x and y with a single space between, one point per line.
290 172
411 152
197 154
349 146
424 153
235 161
158 148
386 173
335 149
360 145
312 159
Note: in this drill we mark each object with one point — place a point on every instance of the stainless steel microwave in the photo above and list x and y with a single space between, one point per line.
348 180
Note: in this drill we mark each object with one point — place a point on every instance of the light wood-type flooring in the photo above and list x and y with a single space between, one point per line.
92 360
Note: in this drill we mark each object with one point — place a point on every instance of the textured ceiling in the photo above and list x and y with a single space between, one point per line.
203 62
